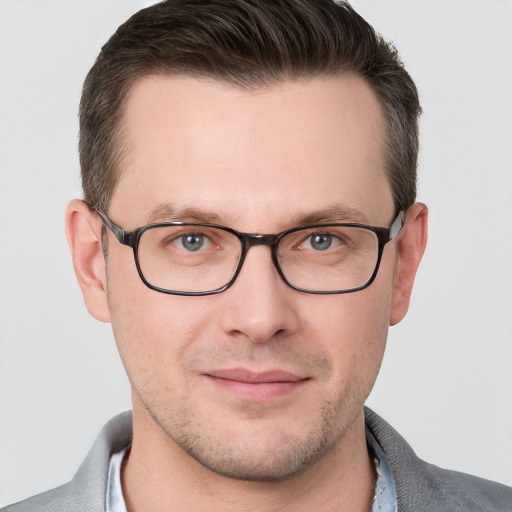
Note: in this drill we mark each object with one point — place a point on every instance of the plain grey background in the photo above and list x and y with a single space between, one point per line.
446 382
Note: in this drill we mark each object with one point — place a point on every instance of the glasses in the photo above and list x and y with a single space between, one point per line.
183 258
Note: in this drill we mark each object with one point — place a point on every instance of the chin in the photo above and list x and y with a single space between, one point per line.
268 465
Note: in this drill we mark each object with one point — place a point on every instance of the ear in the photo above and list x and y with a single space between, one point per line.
83 231
412 241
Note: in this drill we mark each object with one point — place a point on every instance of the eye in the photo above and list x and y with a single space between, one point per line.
318 241
191 241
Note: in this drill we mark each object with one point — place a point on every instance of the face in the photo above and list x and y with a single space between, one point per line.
261 381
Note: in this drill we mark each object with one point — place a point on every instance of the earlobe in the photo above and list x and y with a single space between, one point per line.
412 242
83 232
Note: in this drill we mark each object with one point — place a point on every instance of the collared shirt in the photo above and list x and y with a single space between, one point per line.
114 499
383 501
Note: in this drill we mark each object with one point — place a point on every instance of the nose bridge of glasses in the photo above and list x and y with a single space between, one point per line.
257 239
254 239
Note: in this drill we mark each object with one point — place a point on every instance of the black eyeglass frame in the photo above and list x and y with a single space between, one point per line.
248 240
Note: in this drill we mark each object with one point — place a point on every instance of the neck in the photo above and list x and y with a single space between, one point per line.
158 475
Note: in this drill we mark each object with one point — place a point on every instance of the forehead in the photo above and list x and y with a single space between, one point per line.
260 156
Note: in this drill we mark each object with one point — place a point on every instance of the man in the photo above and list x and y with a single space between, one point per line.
249 229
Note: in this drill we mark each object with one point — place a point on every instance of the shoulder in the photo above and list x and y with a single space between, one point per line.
87 489
424 487
56 500
468 492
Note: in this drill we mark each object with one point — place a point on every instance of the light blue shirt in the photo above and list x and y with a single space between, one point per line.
385 492
114 499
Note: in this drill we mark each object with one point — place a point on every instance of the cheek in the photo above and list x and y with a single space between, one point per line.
353 329
151 329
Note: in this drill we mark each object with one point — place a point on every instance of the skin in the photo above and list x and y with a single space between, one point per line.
255 161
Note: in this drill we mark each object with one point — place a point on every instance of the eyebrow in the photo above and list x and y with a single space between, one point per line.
168 213
331 215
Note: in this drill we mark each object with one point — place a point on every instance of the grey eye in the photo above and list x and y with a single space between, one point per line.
320 241
192 242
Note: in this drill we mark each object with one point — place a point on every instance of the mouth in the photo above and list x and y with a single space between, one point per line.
254 387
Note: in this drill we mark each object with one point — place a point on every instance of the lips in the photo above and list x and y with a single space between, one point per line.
256 386
242 375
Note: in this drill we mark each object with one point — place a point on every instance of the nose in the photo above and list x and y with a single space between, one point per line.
259 304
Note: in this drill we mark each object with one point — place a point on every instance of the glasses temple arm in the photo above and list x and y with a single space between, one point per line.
397 225
119 233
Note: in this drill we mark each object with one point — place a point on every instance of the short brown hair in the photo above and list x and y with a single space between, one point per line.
250 44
